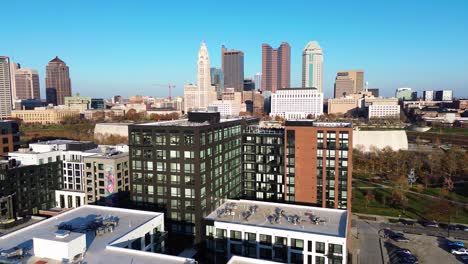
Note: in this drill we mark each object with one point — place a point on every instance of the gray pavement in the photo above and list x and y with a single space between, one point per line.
369 243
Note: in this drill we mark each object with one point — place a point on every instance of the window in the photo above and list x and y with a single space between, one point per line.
174 154
174 140
297 258
265 253
251 237
319 260
189 154
188 140
175 167
150 189
280 241
236 235
221 233
189 193
189 168
160 166
175 192
297 243
175 204
265 239
160 154
320 247
175 179
335 249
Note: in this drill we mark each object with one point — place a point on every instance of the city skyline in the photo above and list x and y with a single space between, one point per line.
165 52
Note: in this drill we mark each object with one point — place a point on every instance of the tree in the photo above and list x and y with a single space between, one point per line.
440 210
132 115
370 197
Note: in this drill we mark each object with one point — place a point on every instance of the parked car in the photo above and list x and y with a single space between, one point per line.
399 237
430 224
406 258
462 227
406 222
455 243
460 251
463 258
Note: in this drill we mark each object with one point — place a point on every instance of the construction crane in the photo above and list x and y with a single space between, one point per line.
169 86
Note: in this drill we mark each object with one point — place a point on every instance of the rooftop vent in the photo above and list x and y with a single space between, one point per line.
62 233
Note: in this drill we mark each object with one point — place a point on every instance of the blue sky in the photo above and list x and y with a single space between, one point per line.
123 47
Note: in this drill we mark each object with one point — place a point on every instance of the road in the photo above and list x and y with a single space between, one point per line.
368 237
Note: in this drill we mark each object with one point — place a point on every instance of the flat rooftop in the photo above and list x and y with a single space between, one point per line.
315 123
99 248
185 123
245 260
308 219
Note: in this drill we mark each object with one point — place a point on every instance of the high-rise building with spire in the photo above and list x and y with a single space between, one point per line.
58 83
201 95
312 66
276 67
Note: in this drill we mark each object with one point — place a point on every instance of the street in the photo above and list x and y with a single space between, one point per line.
368 237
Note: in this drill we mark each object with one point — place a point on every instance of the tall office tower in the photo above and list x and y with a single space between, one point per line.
233 68
276 67
348 82
201 95
5 87
217 79
186 167
27 84
312 66
58 83
258 81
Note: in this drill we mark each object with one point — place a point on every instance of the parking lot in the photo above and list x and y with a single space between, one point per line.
428 249
428 244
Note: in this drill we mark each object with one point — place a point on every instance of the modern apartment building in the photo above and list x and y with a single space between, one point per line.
276 67
383 111
186 167
312 66
5 87
305 162
107 173
58 83
28 188
441 95
297 103
27 84
348 82
92 234
9 137
233 68
279 232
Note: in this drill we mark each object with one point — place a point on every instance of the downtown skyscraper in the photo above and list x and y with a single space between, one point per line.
26 84
312 66
198 97
348 82
5 87
276 67
233 68
58 83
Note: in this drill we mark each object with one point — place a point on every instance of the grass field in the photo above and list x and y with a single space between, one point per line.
83 131
449 130
417 206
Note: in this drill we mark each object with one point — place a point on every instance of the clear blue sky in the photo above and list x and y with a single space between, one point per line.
122 47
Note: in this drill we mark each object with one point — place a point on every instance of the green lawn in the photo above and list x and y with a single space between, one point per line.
417 206
449 130
459 194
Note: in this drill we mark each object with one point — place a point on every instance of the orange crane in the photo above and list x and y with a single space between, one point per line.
169 86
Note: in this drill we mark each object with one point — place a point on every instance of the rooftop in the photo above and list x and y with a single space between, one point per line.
244 260
314 123
100 249
308 219
185 123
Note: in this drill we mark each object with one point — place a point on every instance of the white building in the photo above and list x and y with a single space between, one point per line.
384 111
369 140
201 95
100 235
225 108
258 81
312 66
296 103
279 232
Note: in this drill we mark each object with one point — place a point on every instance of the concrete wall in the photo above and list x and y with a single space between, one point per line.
103 130
395 139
